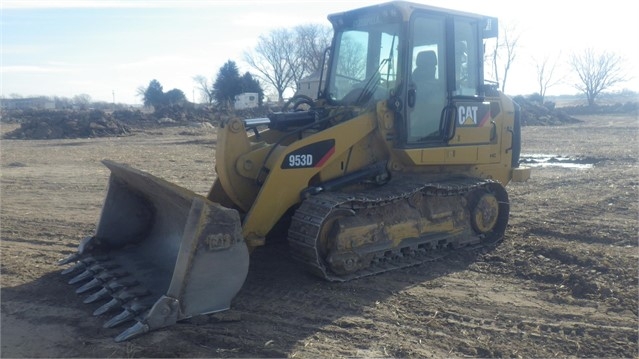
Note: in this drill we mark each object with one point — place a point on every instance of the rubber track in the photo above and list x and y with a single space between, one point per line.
306 224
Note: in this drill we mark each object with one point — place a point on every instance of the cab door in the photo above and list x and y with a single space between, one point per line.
427 88
447 118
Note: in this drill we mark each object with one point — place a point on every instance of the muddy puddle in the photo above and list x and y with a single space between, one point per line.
544 160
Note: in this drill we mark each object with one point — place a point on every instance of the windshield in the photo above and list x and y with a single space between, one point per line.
364 65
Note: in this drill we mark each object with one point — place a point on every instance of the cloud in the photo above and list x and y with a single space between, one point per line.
23 49
158 62
117 4
272 19
30 69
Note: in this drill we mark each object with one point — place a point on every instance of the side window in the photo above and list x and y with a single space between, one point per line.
466 58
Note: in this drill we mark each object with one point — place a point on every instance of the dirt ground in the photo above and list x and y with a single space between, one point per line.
564 282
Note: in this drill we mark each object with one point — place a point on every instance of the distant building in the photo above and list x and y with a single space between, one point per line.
246 100
310 85
34 103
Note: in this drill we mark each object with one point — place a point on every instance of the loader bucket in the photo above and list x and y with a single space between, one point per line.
160 254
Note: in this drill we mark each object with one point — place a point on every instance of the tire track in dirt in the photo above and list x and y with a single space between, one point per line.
562 283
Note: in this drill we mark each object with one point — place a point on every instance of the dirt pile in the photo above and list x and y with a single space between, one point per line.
624 108
56 124
165 116
52 124
534 114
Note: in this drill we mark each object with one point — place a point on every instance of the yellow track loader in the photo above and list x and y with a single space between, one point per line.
403 156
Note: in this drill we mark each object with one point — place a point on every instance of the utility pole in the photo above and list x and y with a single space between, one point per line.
113 92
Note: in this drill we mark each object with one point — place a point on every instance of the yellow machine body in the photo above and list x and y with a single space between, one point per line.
360 142
403 156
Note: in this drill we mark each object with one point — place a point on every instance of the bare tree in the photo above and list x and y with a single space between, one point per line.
311 41
206 90
504 53
82 101
597 72
353 59
546 76
283 57
273 59
141 91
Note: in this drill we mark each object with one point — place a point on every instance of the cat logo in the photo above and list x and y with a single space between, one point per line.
467 115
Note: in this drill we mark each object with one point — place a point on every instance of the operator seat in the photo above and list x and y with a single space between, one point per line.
425 67
430 98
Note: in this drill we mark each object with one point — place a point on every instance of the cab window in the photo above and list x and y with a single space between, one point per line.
466 58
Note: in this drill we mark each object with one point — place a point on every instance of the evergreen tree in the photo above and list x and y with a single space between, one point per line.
227 84
154 95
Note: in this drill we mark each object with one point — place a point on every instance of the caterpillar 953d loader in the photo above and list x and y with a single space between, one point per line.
402 156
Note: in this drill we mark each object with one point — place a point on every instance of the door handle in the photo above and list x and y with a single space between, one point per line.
412 95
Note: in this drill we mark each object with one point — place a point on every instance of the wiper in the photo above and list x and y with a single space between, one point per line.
390 59
368 89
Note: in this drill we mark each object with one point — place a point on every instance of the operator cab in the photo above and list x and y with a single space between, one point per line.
428 61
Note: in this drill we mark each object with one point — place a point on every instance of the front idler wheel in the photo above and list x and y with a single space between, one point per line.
489 211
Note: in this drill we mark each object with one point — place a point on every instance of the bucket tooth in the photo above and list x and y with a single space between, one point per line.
135 330
81 254
92 271
111 287
129 313
101 294
109 306
123 317
88 286
87 274
164 312
100 279
76 268
120 298
71 258
80 265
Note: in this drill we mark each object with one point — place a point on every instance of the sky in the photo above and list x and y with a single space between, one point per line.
109 48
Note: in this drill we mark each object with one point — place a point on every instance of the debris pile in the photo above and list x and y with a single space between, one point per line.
628 107
53 124
177 115
534 114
